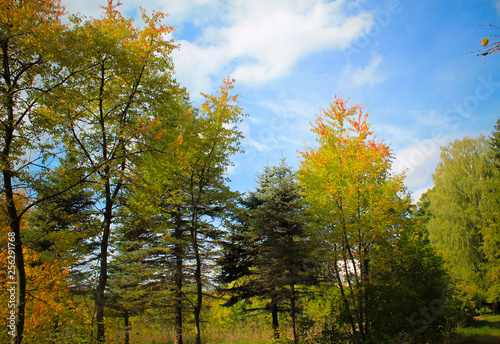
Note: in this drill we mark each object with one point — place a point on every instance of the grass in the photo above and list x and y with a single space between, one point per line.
484 330
151 334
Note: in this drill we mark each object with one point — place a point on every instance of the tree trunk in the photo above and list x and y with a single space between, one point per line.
274 314
199 288
293 313
103 272
178 291
8 189
127 328
343 296
19 285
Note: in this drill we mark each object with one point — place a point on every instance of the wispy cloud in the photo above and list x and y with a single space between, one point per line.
369 75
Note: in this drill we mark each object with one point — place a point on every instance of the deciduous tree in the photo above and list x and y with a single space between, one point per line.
49 306
457 226
30 35
184 185
491 230
358 205
103 112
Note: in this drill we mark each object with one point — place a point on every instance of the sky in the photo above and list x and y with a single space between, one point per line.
409 61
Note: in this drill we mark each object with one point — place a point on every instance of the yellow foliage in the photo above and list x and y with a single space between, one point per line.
49 305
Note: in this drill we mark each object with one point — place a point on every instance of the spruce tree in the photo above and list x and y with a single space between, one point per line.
270 249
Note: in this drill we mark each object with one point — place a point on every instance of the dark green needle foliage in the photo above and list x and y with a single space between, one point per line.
269 254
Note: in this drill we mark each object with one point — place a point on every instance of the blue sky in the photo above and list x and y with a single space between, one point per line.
406 59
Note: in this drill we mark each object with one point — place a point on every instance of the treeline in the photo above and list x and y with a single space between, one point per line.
115 203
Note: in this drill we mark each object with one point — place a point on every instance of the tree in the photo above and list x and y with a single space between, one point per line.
183 185
409 296
125 88
272 246
138 270
64 224
490 208
457 228
49 307
30 35
358 206
487 47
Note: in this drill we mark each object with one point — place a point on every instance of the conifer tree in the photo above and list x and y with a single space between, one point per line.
65 223
139 270
270 251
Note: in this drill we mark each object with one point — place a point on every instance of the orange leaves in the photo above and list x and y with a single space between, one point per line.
347 177
341 122
111 9
227 83
179 140
49 304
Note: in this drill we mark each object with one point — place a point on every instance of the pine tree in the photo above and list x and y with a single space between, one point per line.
139 272
269 251
65 223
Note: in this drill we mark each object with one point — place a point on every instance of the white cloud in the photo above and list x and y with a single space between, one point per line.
263 40
418 161
261 147
253 41
193 66
369 75
196 12
497 5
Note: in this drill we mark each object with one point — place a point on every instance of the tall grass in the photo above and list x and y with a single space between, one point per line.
485 330
144 333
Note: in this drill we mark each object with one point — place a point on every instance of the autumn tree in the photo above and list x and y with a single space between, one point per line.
50 310
183 187
103 111
31 36
358 205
